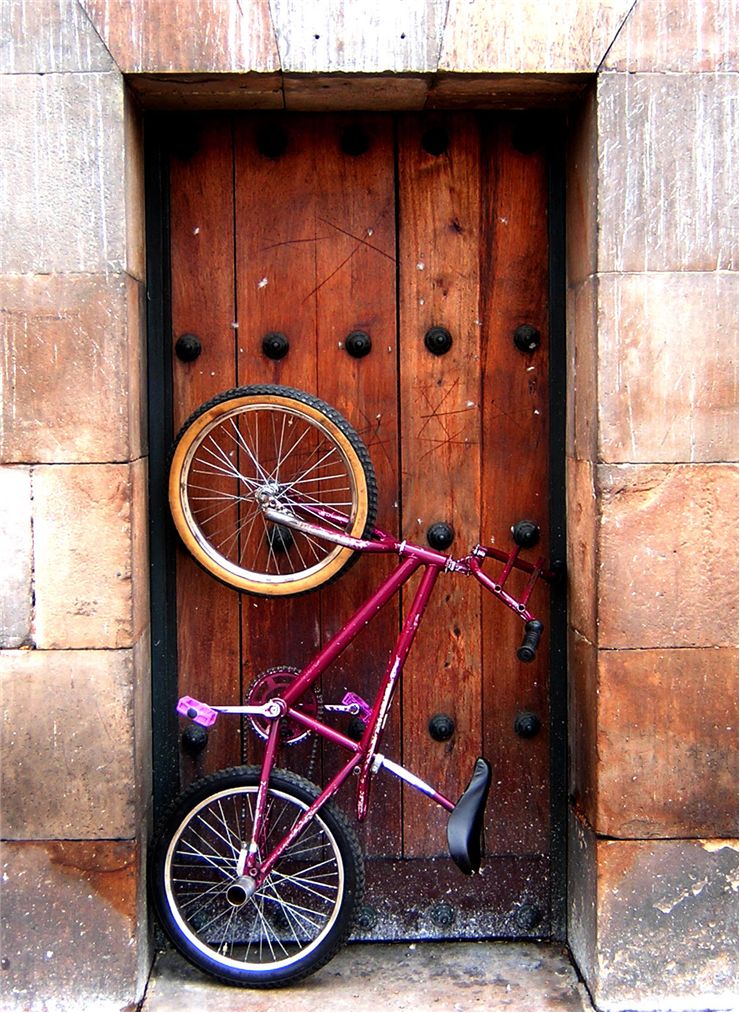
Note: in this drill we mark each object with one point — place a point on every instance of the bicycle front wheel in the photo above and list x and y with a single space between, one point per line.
257 447
300 916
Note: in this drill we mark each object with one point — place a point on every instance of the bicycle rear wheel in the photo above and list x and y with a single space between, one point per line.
292 924
257 446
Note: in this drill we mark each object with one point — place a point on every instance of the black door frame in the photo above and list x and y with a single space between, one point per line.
160 131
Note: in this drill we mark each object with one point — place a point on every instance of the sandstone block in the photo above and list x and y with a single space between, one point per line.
667 555
668 369
663 35
70 925
65 210
68 745
16 548
359 36
134 184
519 37
48 37
667 743
583 396
72 373
657 211
215 36
582 545
581 192
583 732
653 924
84 556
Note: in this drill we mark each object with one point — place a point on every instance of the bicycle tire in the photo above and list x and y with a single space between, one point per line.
255 444
301 915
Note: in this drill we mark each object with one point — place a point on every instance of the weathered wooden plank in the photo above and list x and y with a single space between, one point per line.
316 260
178 92
439 208
355 290
503 91
514 271
201 170
275 258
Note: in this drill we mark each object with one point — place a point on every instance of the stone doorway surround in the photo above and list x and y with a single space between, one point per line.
651 448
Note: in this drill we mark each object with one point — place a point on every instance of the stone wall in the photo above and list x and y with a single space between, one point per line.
652 495
651 445
75 624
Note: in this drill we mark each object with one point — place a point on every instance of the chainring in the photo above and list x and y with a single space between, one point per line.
272 683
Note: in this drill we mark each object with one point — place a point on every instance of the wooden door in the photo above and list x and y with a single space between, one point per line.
315 227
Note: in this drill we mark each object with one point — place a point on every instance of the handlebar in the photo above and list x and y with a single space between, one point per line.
532 633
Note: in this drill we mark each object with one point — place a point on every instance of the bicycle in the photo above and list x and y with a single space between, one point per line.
256 874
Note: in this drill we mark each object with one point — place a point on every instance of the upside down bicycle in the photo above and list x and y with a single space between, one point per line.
256 874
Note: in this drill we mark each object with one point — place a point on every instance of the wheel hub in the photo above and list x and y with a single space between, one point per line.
267 495
241 890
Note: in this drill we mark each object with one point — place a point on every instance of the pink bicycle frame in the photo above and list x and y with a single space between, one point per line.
364 756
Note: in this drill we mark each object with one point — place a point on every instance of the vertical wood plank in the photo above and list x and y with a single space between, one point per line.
514 273
316 260
355 290
439 207
201 216
275 269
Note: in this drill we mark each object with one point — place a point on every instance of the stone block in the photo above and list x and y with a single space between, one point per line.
582 543
668 369
582 338
667 185
581 191
358 36
71 926
65 210
662 35
667 555
49 37
68 745
72 374
134 184
16 549
140 547
583 732
84 556
516 35
667 743
653 924
195 36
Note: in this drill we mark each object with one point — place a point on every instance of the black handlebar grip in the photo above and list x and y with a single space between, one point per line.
532 633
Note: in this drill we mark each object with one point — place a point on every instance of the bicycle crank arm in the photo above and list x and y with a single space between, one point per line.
203 714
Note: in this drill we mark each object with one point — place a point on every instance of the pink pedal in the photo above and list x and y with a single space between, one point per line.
364 709
198 712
